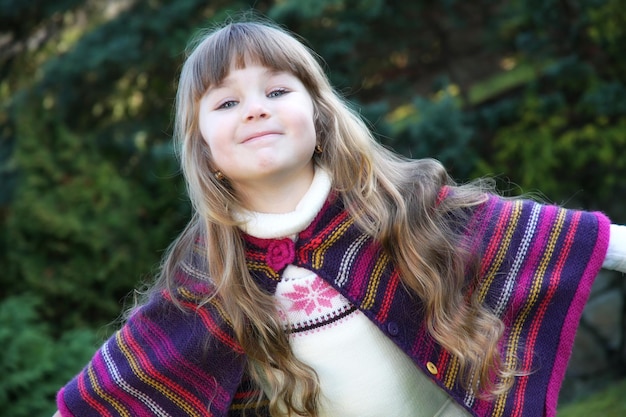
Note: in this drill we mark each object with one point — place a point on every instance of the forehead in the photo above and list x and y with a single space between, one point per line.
218 55
260 70
254 71
248 60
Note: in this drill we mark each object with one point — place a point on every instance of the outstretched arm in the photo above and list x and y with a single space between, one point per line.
616 254
164 361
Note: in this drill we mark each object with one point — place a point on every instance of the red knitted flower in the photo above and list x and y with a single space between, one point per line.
280 253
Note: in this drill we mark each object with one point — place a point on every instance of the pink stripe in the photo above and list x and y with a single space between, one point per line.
442 363
168 354
394 280
113 387
573 315
323 233
84 394
443 193
360 276
61 406
526 277
482 407
555 279
496 240
422 345
214 328
533 259
147 369
180 367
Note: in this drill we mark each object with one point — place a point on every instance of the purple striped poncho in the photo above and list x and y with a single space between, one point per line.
538 264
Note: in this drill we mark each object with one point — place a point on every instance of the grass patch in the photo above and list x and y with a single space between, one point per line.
503 81
608 403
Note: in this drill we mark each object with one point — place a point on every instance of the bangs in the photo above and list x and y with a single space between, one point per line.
241 44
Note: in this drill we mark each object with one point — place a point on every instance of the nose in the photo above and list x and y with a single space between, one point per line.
256 109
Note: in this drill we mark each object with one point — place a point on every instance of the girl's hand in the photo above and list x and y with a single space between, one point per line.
616 254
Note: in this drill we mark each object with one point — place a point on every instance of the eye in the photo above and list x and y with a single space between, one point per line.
227 104
277 93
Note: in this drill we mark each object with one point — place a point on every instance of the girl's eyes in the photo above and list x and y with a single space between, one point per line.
272 94
227 104
277 93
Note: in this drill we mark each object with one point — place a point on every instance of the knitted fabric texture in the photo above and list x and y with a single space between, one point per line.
537 266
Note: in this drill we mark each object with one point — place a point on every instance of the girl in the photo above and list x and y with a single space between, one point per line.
323 275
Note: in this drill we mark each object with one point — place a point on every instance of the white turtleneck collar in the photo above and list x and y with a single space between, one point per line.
272 226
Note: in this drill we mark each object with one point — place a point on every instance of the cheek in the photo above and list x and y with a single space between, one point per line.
206 125
217 152
211 136
312 129
211 151
306 122
203 127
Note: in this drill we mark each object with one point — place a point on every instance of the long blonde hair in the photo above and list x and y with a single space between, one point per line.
391 197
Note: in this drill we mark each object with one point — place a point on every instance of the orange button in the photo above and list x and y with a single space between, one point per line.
432 368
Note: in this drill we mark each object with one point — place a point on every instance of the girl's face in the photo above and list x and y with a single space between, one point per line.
258 124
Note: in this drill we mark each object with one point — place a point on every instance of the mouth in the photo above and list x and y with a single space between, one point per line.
259 135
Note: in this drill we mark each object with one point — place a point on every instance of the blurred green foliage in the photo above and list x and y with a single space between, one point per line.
79 230
35 363
527 90
563 132
609 402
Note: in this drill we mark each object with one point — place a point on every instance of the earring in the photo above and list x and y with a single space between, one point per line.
219 175
318 149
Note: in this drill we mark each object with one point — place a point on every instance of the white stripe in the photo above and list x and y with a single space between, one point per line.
119 380
348 259
529 232
469 398
510 279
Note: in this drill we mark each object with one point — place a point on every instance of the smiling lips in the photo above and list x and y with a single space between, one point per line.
259 135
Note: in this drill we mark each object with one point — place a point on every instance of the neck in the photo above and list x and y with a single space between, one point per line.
278 225
280 195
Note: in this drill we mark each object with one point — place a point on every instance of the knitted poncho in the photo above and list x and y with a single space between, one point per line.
537 266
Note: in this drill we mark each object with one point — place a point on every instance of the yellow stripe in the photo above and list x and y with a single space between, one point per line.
220 310
96 387
251 406
452 372
202 300
374 281
506 241
318 254
163 389
516 329
191 296
259 266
